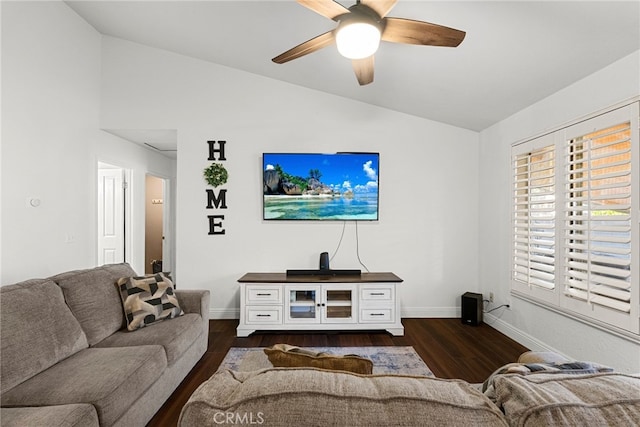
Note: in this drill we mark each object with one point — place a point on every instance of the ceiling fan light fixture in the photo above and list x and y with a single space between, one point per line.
357 40
360 29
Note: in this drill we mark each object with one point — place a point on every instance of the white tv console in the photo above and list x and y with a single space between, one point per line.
277 301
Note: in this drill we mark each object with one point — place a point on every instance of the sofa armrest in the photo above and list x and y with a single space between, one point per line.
195 301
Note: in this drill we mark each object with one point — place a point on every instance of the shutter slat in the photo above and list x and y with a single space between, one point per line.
602 290
542 283
611 303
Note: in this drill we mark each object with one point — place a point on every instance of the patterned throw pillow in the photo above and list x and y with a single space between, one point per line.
148 299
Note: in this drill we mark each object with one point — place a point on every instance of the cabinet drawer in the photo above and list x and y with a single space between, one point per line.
263 294
264 315
382 293
376 315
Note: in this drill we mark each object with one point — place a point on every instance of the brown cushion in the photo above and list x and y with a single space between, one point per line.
37 328
94 300
559 399
148 299
283 355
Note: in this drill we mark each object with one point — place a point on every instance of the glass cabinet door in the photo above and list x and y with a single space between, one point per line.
302 305
320 304
339 304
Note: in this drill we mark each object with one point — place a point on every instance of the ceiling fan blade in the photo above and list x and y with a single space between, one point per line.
363 69
399 30
327 8
381 7
306 48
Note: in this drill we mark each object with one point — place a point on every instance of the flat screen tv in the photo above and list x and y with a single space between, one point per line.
315 186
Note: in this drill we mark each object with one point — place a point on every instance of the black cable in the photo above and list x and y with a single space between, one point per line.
358 248
500 306
344 225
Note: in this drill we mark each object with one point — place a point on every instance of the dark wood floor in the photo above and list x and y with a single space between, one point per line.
450 348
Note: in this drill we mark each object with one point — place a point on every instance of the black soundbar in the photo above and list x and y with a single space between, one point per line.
323 272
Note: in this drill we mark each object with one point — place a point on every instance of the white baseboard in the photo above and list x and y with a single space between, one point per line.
423 312
224 313
519 336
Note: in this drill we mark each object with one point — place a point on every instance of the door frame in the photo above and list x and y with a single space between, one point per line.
126 195
167 255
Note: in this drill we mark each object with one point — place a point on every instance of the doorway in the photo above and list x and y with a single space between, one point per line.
112 225
156 220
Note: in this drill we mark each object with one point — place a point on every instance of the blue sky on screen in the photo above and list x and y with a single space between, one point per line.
357 172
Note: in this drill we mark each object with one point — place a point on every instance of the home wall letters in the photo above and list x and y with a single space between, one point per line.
216 175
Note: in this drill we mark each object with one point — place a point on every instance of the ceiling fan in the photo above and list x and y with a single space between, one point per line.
360 29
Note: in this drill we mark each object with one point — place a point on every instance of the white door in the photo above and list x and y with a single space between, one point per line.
110 216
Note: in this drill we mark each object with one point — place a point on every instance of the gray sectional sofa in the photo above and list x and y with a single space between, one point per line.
68 360
307 396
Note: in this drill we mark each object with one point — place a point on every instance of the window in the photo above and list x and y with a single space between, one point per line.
575 220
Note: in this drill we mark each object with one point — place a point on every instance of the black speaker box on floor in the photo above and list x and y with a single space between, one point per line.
471 308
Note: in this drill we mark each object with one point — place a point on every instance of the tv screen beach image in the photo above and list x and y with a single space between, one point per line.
305 186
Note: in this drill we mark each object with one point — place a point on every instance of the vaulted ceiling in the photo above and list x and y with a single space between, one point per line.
514 54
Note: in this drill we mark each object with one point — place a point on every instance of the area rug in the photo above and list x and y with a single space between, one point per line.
386 359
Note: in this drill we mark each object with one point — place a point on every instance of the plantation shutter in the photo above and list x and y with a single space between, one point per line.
597 218
576 220
534 204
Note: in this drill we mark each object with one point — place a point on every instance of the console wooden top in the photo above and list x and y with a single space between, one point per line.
283 278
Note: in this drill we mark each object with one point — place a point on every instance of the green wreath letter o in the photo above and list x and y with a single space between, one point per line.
216 175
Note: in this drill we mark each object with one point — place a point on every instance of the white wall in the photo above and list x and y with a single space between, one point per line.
51 142
536 327
427 233
52 96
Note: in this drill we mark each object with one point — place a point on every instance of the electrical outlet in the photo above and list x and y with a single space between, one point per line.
490 296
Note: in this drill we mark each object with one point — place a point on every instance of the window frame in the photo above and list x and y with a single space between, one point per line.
623 324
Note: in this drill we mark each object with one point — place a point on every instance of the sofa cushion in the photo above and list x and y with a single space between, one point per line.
94 299
283 355
111 379
37 329
175 336
559 399
309 396
75 415
148 299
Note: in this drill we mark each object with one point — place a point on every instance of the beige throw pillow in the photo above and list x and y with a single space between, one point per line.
283 355
148 299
